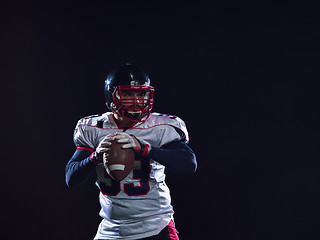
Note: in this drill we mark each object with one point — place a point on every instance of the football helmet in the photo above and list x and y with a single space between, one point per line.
122 80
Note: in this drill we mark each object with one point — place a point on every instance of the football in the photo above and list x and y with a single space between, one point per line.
120 161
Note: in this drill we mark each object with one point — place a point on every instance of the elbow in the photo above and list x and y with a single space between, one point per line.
71 181
74 178
69 177
68 182
194 167
193 164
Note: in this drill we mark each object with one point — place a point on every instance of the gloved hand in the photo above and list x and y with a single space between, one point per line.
100 155
139 146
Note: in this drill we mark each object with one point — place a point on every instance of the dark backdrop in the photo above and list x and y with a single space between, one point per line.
242 74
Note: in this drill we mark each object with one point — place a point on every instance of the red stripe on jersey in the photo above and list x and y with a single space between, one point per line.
86 148
172 231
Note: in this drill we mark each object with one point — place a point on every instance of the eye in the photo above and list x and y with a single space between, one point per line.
142 94
126 94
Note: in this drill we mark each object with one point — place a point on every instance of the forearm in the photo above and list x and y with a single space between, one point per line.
79 168
175 156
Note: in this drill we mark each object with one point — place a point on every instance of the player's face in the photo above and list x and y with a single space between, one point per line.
133 98
133 103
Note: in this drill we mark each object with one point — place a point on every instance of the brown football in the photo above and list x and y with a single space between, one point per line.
120 161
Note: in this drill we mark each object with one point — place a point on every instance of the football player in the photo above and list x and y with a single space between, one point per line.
139 206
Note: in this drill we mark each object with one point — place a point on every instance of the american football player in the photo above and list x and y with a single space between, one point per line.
139 206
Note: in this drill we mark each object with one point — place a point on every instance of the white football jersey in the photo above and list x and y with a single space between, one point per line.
140 205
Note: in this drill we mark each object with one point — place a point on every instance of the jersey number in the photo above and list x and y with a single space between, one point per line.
112 188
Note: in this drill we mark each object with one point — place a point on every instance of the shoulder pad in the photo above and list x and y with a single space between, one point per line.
96 120
171 120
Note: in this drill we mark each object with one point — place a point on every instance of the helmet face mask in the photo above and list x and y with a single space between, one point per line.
128 93
135 108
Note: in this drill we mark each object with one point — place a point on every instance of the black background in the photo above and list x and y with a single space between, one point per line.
243 75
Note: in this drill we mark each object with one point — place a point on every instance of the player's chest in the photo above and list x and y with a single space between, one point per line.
151 135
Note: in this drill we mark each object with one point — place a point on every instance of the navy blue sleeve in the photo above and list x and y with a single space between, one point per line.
79 167
177 156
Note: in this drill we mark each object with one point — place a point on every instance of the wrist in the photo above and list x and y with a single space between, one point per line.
94 159
144 148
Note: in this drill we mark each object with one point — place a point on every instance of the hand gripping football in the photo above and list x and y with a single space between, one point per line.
119 161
